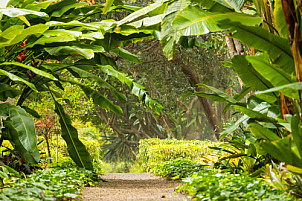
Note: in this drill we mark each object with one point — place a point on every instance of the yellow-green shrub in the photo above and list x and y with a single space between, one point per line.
153 152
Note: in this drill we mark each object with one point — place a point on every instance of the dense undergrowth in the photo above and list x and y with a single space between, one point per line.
47 184
204 174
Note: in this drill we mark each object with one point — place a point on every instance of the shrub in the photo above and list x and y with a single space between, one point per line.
212 185
153 152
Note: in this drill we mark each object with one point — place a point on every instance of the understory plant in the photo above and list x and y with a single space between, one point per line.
49 184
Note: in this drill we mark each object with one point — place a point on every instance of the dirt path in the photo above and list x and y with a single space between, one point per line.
133 186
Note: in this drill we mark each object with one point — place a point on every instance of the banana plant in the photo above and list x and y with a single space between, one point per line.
41 42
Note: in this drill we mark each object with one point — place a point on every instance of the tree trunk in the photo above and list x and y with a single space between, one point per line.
207 107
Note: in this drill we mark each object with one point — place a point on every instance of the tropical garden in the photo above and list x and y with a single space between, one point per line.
202 91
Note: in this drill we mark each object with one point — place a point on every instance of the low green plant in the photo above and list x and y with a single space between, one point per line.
50 184
213 185
153 152
178 168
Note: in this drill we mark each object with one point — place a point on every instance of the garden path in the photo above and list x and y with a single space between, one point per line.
133 187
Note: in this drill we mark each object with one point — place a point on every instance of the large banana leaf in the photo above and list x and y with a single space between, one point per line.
261 132
297 135
282 151
17 79
16 12
218 93
136 89
170 36
278 48
195 21
33 69
69 50
249 76
140 12
8 91
20 130
233 4
294 86
127 55
75 147
102 83
59 12
281 25
276 76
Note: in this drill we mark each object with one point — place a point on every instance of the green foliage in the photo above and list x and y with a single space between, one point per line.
49 184
212 185
178 168
154 152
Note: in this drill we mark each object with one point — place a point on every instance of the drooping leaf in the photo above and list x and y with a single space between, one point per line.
102 83
140 13
69 50
282 151
64 9
244 91
261 132
195 21
219 93
254 114
37 6
75 147
281 25
169 36
17 79
274 75
297 134
294 86
8 91
233 4
15 12
127 55
136 89
278 48
33 69
32 112
107 5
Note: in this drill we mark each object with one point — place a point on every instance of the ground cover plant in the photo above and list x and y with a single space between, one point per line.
48 184
213 185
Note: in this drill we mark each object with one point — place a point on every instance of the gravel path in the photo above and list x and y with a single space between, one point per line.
133 186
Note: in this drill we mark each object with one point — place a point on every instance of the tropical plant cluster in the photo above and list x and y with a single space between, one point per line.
210 179
48 184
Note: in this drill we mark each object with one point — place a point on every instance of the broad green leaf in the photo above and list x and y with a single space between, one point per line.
4 3
295 86
281 25
8 91
261 132
148 21
169 36
276 76
278 48
219 93
53 39
100 100
75 147
64 9
233 4
136 89
297 134
140 13
212 5
282 151
15 12
107 5
88 26
102 83
32 112
254 114
294 169
62 32
24 126
37 6
17 79
195 21
244 91
127 55
69 50
92 36
33 69
249 76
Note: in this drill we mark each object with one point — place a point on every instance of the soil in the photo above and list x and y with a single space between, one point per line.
133 186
